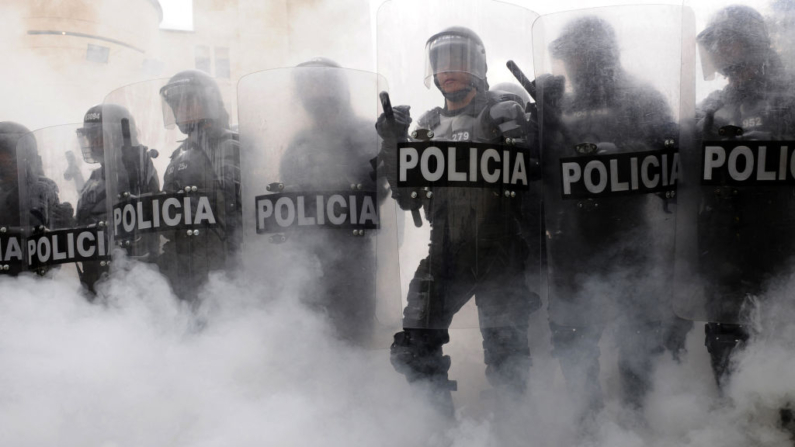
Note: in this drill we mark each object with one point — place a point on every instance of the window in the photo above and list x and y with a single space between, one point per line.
222 69
97 53
203 59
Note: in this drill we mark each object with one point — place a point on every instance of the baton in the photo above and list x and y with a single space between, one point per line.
527 84
389 114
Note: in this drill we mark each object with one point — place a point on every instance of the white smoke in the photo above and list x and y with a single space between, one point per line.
139 368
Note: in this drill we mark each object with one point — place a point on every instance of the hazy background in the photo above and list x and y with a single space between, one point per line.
250 368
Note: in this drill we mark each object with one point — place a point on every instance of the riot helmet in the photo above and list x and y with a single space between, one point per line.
322 86
589 50
192 101
735 39
10 134
100 122
456 50
513 89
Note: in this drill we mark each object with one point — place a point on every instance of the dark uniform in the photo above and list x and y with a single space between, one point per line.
331 154
744 232
101 122
604 240
43 204
208 159
476 247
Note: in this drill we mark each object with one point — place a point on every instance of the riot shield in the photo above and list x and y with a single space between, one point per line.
173 177
736 197
12 226
318 226
468 203
64 206
611 83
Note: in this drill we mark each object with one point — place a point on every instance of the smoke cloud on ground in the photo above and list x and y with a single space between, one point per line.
137 367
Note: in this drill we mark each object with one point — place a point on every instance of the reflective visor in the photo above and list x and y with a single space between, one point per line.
91 142
454 53
183 102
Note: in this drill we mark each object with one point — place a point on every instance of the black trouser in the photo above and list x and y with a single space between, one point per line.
442 285
577 350
346 291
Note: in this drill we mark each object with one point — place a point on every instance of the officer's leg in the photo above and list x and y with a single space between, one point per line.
639 343
577 350
417 350
504 307
721 340
503 311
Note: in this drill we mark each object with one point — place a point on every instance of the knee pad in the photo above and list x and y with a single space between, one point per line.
721 340
417 354
723 337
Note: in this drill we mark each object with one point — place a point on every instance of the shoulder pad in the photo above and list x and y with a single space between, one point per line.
430 119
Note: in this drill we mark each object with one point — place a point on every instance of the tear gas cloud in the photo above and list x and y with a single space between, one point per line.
254 365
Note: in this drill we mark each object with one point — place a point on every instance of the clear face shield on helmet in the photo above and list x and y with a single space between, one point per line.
186 103
452 53
721 52
323 91
91 142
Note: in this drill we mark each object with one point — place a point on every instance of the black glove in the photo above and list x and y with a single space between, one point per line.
403 197
63 216
551 88
396 129
510 118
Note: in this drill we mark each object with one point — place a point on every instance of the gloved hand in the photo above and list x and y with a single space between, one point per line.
551 89
396 129
510 118
404 199
63 216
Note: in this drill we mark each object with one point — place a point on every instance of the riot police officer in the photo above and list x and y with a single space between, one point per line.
602 271
208 160
476 245
42 207
331 151
744 235
101 122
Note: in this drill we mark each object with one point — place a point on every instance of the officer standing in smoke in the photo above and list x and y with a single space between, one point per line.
599 240
476 245
92 207
43 208
208 161
744 231
332 152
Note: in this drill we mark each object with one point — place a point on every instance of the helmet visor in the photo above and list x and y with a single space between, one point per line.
447 53
91 142
184 103
722 49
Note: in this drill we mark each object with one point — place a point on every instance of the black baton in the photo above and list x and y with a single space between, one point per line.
390 115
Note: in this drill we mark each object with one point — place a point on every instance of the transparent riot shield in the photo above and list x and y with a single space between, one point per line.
611 85
64 207
13 232
463 182
173 177
736 197
318 225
